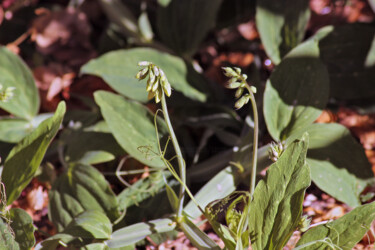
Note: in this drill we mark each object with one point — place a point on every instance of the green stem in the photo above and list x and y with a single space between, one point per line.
180 159
255 142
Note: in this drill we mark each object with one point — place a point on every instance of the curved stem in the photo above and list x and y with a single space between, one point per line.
181 163
255 142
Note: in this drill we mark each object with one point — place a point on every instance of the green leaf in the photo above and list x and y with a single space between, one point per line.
196 236
296 92
349 53
277 203
23 228
25 158
344 232
15 129
81 188
118 69
96 157
55 241
218 187
91 224
194 18
337 182
281 28
15 73
134 233
80 144
339 165
7 240
132 125
142 189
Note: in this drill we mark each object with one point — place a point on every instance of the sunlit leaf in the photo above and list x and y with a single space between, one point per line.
133 127
281 27
342 233
118 69
276 207
25 158
15 73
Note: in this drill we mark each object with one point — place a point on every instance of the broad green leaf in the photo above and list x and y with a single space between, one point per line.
134 233
281 27
349 53
80 188
15 73
92 224
338 162
196 236
15 129
23 228
277 203
226 181
218 187
133 127
296 92
118 69
337 182
25 158
183 24
96 157
343 233
80 143
142 189
7 240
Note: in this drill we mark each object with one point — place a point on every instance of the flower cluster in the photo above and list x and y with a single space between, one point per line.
6 94
157 81
275 150
238 81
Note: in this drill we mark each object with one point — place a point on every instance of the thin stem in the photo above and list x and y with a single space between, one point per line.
181 163
255 142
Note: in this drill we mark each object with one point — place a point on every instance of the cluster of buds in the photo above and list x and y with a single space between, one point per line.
6 94
275 150
157 81
238 81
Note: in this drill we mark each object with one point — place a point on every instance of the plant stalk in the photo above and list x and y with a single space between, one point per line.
180 159
255 142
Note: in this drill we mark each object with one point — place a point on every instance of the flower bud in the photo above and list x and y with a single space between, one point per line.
229 72
144 63
239 92
233 85
242 101
142 74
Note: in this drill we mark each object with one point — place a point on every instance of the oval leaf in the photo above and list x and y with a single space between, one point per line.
296 92
23 228
342 160
118 69
15 73
80 189
134 233
132 125
91 224
277 203
7 240
343 233
281 27
14 130
25 158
